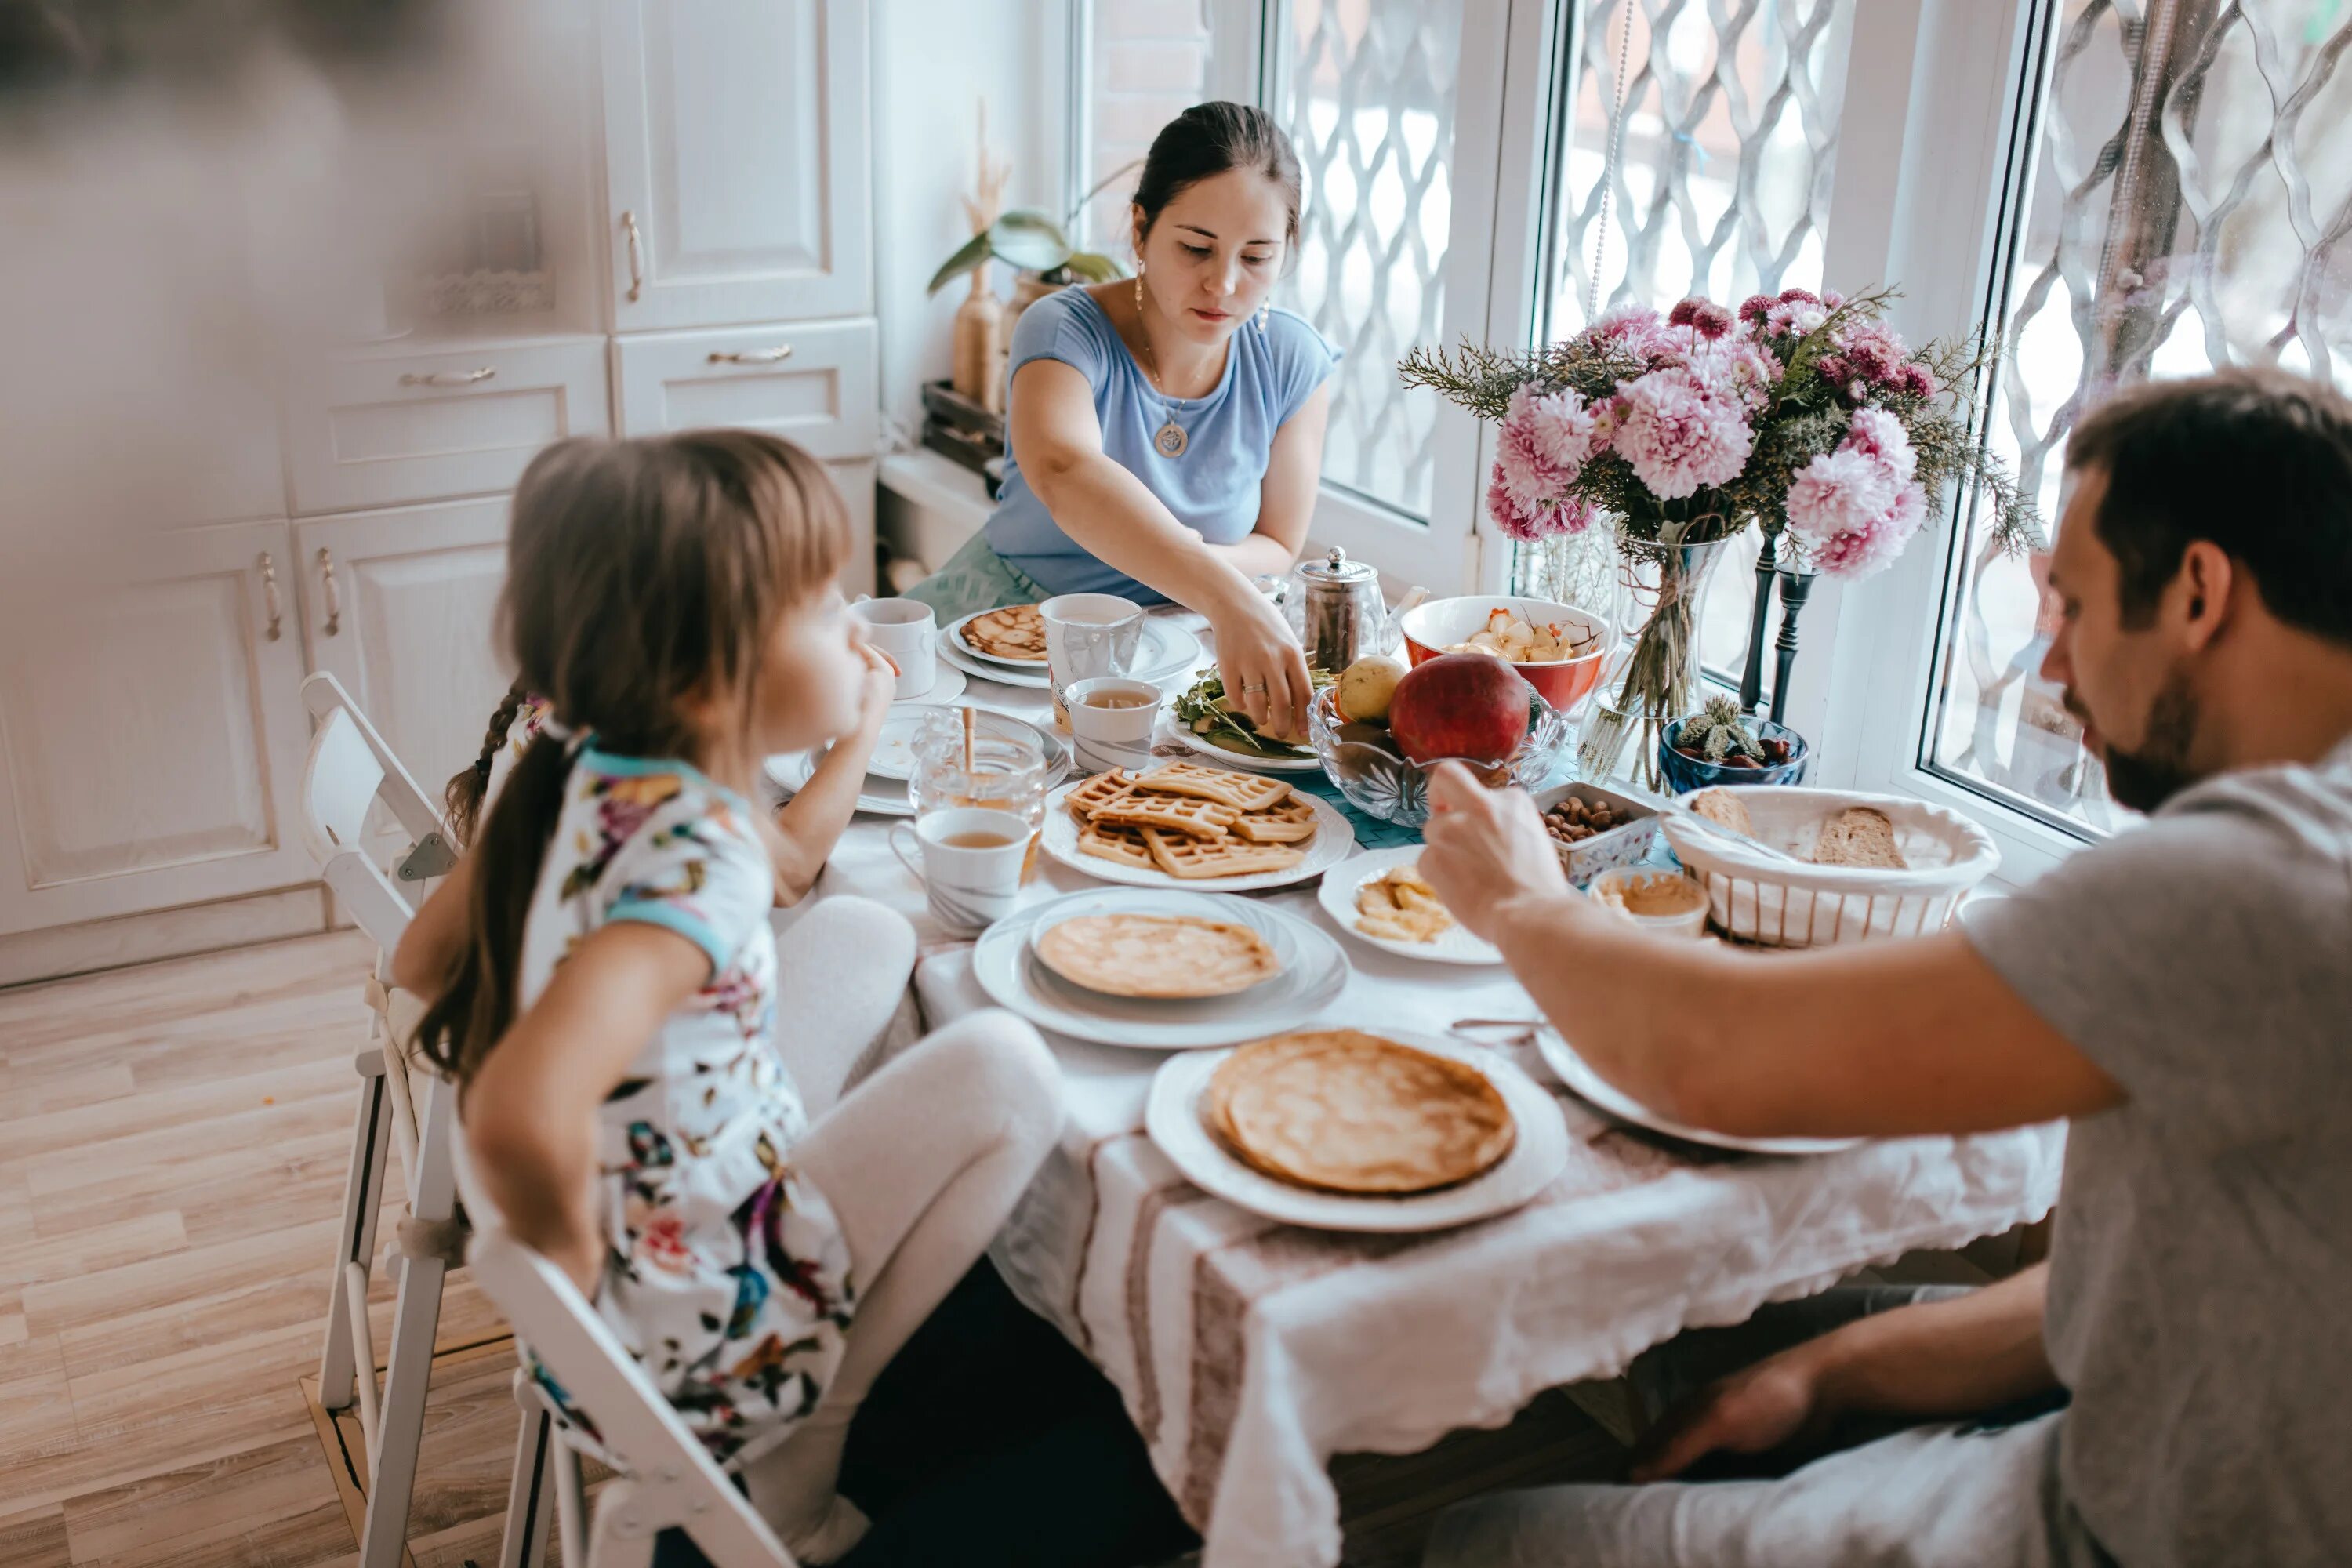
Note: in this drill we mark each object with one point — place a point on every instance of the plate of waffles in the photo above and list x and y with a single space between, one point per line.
1010 963
1358 1129
1162 653
1009 633
1182 824
1379 898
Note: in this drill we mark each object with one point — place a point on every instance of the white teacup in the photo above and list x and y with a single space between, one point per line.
1087 637
1111 721
971 863
909 633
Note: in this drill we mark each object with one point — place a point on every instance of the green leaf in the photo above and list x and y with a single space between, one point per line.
1094 266
969 254
1029 240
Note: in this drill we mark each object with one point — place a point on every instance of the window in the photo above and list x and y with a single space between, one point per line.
1146 61
2189 194
1728 134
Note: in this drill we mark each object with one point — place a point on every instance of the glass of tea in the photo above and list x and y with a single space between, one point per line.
1006 770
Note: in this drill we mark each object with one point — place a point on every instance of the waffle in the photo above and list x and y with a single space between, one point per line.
1125 845
1196 858
1291 821
1166 813
1098 791
1243 791
1013 632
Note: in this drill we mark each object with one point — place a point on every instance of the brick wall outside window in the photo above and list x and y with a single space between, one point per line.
1151 63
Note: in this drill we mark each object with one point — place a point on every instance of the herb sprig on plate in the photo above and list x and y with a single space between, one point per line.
1202 709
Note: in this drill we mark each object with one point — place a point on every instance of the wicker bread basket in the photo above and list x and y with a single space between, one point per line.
1771 902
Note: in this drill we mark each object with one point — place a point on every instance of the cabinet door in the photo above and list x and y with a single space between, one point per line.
153 734
736 161
411 426
813 384
398 605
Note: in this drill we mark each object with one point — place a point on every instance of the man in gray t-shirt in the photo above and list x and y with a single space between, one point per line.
2182 994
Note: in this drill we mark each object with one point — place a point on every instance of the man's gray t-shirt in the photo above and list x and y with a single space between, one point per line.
2200 1283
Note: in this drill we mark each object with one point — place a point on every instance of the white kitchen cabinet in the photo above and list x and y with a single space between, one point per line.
737 160
153 734
811 383
398 605
383 428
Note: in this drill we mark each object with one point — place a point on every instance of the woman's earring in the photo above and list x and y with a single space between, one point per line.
1139 289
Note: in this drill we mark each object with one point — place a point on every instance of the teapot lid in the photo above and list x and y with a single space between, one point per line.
1337 568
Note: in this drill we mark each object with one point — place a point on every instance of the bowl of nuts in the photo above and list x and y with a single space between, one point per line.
1596 829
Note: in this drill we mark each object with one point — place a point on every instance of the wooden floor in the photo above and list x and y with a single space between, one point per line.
173 1141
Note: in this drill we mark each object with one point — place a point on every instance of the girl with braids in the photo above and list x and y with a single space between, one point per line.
612 1011
514 724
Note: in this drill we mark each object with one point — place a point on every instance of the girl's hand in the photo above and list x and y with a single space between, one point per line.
1263 668
880 687
1486 850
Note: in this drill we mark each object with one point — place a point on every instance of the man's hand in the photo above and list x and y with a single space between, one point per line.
1754 1411
1486 849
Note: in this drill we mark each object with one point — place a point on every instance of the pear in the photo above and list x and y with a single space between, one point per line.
1365 688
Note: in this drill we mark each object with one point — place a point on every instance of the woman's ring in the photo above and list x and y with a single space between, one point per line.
1253 688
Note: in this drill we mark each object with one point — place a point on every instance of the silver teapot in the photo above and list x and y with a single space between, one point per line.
1334 606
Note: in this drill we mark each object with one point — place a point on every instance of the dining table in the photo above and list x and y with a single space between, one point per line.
1249 1352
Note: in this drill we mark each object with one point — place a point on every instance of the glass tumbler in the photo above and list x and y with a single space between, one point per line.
1007 773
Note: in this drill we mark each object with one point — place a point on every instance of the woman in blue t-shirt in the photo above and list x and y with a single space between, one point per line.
1165 433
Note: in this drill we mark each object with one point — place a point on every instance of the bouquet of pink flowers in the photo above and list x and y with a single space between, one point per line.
1803 413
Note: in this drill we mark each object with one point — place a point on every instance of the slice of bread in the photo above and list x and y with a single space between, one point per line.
1724 810
1859 837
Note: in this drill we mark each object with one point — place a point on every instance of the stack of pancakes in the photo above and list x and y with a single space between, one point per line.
1341 1110
1193 822
1016 632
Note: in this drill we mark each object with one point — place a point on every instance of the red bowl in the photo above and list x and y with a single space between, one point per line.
1431 628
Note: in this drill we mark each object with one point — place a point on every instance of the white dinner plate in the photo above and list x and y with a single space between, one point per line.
1589 1085
1162 653
1174 729
790 771
894 748
1333 839
947 685
1338 896
953 634
1314 972
1173 1117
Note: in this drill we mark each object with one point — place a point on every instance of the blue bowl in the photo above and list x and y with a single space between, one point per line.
1684 775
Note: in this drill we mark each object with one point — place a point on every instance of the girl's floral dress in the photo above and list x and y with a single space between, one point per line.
725 1274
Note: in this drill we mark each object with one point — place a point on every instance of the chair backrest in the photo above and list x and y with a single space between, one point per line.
667 1478
348 769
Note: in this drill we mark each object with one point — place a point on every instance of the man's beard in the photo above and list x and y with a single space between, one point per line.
2145 779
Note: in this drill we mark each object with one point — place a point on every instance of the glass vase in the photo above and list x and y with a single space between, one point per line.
1658 679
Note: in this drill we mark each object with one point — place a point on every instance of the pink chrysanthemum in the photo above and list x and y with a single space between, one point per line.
1833 298
1798 296
1916 380
1522 469
1752 309
1559 427
1836 494
1880 436
1634 328
1738 369
1860 551
1794 318
1679 438
1518 521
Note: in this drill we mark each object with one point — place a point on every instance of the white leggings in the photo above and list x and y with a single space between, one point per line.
921 1162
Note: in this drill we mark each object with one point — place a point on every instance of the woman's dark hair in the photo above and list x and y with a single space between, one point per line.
469 785
638 573
2257 462
1209 138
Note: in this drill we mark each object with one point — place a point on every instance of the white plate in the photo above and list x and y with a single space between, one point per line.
1173 1117
894 748
952 633
878 797
1208 751
1333 839
1587 1084
947 685
1164 652
1337 895
1314 972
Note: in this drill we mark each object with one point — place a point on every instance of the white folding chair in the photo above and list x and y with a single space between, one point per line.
404 1101
663 1477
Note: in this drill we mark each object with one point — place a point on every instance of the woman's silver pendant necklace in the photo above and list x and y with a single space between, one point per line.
1170 439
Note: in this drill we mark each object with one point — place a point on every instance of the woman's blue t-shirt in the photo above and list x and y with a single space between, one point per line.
1212 489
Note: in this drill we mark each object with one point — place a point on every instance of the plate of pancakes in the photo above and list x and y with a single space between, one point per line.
1186 824
996 645
1362 1129
1158 970
1380 898
1009 633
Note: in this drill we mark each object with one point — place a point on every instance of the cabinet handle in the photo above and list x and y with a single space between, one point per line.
334 600
636 256
437 379
269 596
754 356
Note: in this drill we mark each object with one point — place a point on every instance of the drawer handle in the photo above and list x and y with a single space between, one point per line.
754 356
409 378
334 599
636 255
269 596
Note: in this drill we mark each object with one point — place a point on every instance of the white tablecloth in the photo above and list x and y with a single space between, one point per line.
1249 1352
